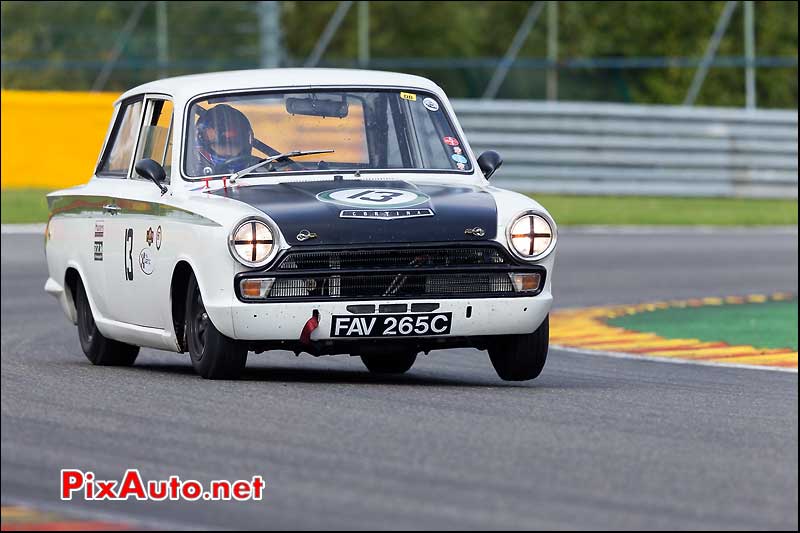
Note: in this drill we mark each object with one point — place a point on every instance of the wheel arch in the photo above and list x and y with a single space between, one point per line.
71 278
178 289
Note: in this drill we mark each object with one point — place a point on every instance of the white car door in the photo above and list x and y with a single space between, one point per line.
140 275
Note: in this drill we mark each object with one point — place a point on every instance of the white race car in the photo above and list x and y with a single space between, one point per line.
313 210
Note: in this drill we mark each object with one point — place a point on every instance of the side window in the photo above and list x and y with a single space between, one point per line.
117 157
155 141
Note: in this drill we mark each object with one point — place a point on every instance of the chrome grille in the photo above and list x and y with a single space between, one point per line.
382 285
392 258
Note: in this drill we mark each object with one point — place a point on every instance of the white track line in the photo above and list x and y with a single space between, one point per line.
682 230
22 229
635 357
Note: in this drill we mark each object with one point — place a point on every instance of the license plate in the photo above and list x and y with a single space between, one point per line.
409 325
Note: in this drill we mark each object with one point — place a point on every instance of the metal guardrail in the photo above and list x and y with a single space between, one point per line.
597 148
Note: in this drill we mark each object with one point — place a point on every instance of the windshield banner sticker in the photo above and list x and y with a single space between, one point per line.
409 96
373 198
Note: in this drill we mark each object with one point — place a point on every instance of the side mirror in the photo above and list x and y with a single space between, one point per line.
489 161
153 171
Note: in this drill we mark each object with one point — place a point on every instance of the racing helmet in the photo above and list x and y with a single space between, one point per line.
223 133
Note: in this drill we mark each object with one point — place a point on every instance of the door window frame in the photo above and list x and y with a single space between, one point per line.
112 137
147 114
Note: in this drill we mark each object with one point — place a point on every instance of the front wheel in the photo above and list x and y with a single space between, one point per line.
214 356
100 350
389 363
521 357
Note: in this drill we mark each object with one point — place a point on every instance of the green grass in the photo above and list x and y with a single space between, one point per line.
22 206
29 205
654 210
763 325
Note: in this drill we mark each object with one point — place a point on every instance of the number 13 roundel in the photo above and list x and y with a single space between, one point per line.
371 198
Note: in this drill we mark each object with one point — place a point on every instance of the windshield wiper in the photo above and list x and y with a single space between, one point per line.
277 157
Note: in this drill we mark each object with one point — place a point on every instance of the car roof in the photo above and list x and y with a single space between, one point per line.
183 88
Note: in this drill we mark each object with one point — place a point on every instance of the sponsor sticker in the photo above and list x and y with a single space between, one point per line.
408 96
98 250
146 261
149 236
158 238
99 229
458 158
375 198
430 104
450 141
456 149
461 166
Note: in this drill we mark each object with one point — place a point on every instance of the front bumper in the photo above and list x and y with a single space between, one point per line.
284 321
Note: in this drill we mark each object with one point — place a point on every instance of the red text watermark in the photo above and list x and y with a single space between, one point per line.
79 484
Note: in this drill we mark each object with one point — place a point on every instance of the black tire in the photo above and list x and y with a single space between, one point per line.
521 357
99 350
214 356
389 363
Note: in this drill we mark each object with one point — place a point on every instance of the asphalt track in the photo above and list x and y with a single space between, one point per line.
595 442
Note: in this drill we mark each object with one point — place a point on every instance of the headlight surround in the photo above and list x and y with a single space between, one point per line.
531 235
253 242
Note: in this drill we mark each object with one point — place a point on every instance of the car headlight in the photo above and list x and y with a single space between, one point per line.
252 242
531 236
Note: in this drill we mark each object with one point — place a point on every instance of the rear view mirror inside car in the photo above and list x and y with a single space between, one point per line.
317 107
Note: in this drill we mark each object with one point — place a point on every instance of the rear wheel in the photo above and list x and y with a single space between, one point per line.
214 356
389 363
99 350
521 357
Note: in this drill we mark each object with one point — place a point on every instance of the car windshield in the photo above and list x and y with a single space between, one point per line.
366 130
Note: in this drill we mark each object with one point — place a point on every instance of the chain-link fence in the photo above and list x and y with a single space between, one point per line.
639 52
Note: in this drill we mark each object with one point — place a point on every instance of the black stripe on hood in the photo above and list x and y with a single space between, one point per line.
316 206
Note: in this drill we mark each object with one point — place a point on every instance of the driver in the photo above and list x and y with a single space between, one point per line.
224 141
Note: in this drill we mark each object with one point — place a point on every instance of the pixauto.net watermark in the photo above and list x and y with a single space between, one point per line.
79 484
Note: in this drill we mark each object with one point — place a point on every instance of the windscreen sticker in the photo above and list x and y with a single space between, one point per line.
456 149
461 166
409 96
458 158
450 141
430 104
373 198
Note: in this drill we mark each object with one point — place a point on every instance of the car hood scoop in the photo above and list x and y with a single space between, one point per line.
356 211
